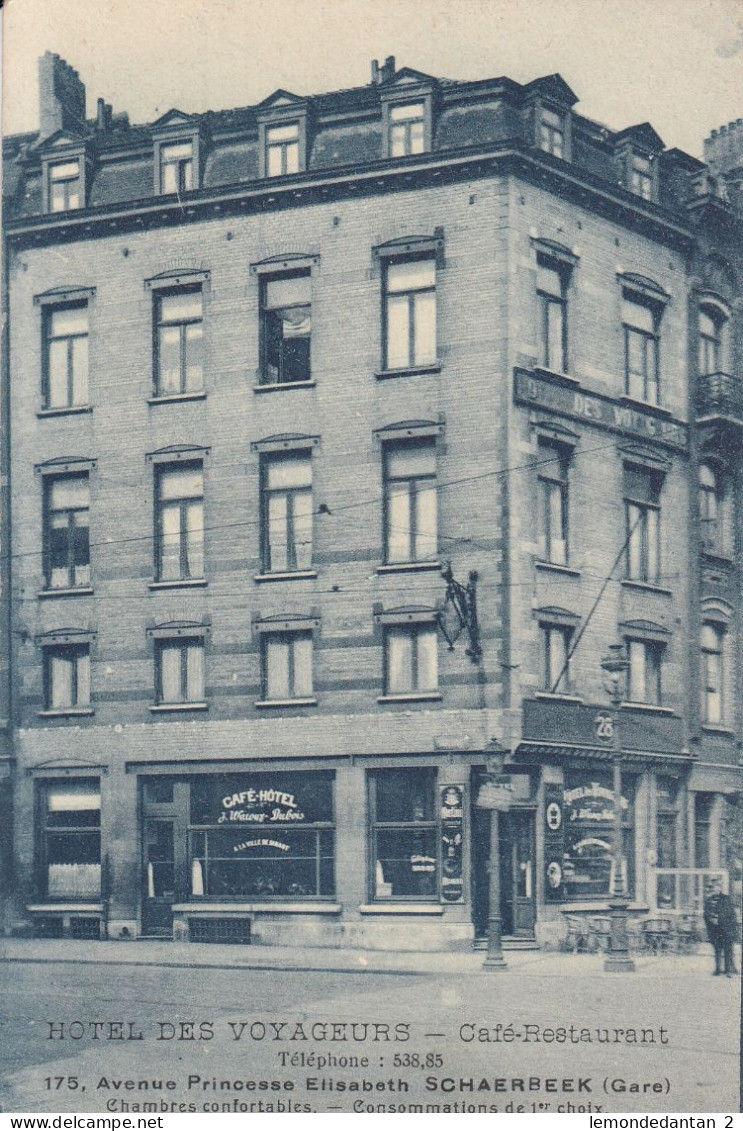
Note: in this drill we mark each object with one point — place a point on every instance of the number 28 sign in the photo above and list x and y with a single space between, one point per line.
604 726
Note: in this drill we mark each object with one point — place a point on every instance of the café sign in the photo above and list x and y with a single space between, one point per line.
541 392
592 802
260 807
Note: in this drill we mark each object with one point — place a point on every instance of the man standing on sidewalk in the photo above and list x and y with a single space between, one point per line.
722 926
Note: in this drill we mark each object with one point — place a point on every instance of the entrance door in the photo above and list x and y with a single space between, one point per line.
158 879
517 872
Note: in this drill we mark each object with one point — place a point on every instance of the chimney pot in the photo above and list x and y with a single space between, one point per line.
375 72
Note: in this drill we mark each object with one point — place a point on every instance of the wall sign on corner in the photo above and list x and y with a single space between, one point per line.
452 837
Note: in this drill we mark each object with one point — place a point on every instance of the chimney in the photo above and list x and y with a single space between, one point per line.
383 73
61 96
104 114
375 79
389 68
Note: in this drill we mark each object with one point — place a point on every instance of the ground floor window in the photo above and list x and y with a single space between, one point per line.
703 803
262 836
404 832
588 867
70 842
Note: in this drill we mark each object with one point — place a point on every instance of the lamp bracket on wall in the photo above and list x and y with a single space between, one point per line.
459 613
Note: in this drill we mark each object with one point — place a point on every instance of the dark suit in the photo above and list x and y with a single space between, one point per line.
722 927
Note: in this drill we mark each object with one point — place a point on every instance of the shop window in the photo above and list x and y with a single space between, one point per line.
703 809
176 167
552 281
65 354
406 129
411 659
70 841
409 313
287 512
410 506
552 513
641 176
713 649
287 666
267 836
180 522
179 671
179 334
286 326
66 531
642 489
712 326
67 677
667 817
282 150
588 870
404 852
551 136
556 643
645 669
65 186
641 323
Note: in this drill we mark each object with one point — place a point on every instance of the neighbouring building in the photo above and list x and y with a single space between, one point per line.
268 371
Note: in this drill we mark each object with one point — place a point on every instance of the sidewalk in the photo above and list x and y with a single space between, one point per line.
155 952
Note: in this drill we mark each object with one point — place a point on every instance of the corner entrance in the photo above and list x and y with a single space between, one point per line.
517 872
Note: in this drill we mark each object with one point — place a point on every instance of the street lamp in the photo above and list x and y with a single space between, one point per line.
615 666
495 795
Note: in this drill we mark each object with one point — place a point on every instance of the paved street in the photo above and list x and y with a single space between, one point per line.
414 1036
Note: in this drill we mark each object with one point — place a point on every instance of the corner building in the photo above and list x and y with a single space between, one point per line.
270 369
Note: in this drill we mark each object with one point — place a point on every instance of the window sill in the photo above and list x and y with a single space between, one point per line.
73 591
175 398
68 713
411 697
164 708
630 583
183 583
599 903
308 702
402 908
651 708
65 905
544 371
554 567
289 575
408 371
719 728
556 697
409 567
68 410
645 405
294 907
717 558
284 385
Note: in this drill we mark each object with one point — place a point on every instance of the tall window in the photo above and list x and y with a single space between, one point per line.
641 176
553 325
704 804
710 343
406 129
176 167
287 512
555 652
667 817
713 673
179 332
180 522
410 314
642 506
179 671
552 515
404 851
641 352
710 511
286 326
287 665
66 356
645 663
67 532
65 185
411 659
70 841
552 133
282 150
588 862
410 501
67 677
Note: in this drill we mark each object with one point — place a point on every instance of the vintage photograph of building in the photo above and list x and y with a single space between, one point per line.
373 520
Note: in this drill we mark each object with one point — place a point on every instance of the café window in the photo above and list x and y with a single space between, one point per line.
703 810
70 840
404 852
588 866
262 836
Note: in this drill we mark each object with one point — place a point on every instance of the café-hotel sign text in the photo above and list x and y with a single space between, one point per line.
543 392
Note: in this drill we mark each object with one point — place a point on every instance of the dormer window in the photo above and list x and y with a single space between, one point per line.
552 133
282 150
641 176
65 184
176 167
406 129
